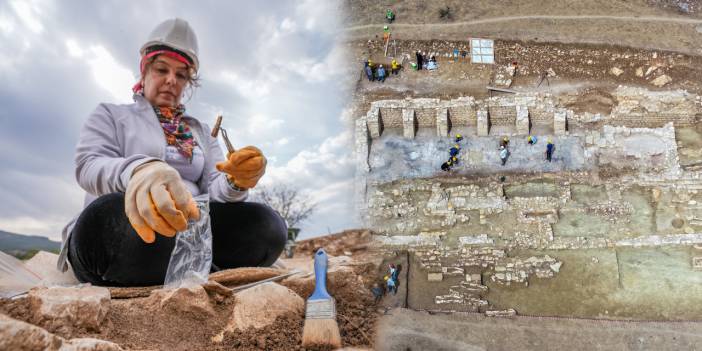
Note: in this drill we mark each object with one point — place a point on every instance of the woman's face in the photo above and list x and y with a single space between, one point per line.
164 81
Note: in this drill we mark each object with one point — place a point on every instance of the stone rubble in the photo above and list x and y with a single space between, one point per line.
82 307
459 226
18 335
258 307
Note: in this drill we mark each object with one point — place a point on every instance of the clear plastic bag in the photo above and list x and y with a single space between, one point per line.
192 255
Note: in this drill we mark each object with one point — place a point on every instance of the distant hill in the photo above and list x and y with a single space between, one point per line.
24 246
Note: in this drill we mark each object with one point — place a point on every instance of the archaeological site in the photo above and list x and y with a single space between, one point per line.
592 210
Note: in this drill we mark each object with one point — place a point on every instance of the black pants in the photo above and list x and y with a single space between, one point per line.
104 249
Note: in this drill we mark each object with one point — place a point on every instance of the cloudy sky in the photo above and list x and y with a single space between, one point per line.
270 67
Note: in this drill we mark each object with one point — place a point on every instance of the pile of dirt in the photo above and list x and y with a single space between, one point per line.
345 243
568 65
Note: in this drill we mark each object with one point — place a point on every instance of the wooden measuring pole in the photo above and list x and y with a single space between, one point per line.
387 42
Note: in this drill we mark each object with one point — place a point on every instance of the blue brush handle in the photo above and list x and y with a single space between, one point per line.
320 276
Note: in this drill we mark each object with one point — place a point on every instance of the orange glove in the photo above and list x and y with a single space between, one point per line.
157 201
244 167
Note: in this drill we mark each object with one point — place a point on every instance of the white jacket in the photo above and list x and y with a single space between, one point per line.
117 138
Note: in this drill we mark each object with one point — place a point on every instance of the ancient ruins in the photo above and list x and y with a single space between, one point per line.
626 180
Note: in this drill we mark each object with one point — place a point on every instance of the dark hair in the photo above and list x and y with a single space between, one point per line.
193 80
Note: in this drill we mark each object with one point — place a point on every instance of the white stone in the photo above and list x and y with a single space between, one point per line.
258 307
616 71
373 121
501 313
408 123
18 335
192 301
556 267
522 120
483 122
662 80
84 306
442 122
650 70
435 277
89 344
559 122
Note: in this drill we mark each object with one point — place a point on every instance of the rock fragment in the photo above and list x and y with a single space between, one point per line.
191 301
662 80
259 306
84 306
18 335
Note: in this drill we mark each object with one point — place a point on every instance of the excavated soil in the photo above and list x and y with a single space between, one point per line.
349 241
138 323
577 67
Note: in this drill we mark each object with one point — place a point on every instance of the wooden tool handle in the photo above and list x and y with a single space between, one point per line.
215 129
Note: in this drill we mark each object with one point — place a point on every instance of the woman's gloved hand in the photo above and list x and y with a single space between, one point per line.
244 167
157 201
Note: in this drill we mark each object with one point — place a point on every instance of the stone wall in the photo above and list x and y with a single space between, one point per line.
465 115
392 117
635 108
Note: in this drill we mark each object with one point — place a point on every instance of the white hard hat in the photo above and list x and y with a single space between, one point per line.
175 33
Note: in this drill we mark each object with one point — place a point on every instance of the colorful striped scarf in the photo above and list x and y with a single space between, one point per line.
176 130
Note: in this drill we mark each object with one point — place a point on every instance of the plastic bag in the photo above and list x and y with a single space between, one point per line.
191 258
15 278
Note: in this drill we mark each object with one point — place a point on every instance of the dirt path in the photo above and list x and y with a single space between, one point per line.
404 329
516 18
680 33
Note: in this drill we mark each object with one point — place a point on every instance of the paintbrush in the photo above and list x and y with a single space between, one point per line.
321 328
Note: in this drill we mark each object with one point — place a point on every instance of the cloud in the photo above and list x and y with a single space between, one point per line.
325 171
28 13
274 73
109 74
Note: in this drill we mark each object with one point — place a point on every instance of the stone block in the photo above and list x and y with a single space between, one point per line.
89 344
84 306
435 277
522 122
662 80
374 122
18 335
697 263
501 313
258 307
559 122
409 123
483 122
442 122
475 278
192 301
